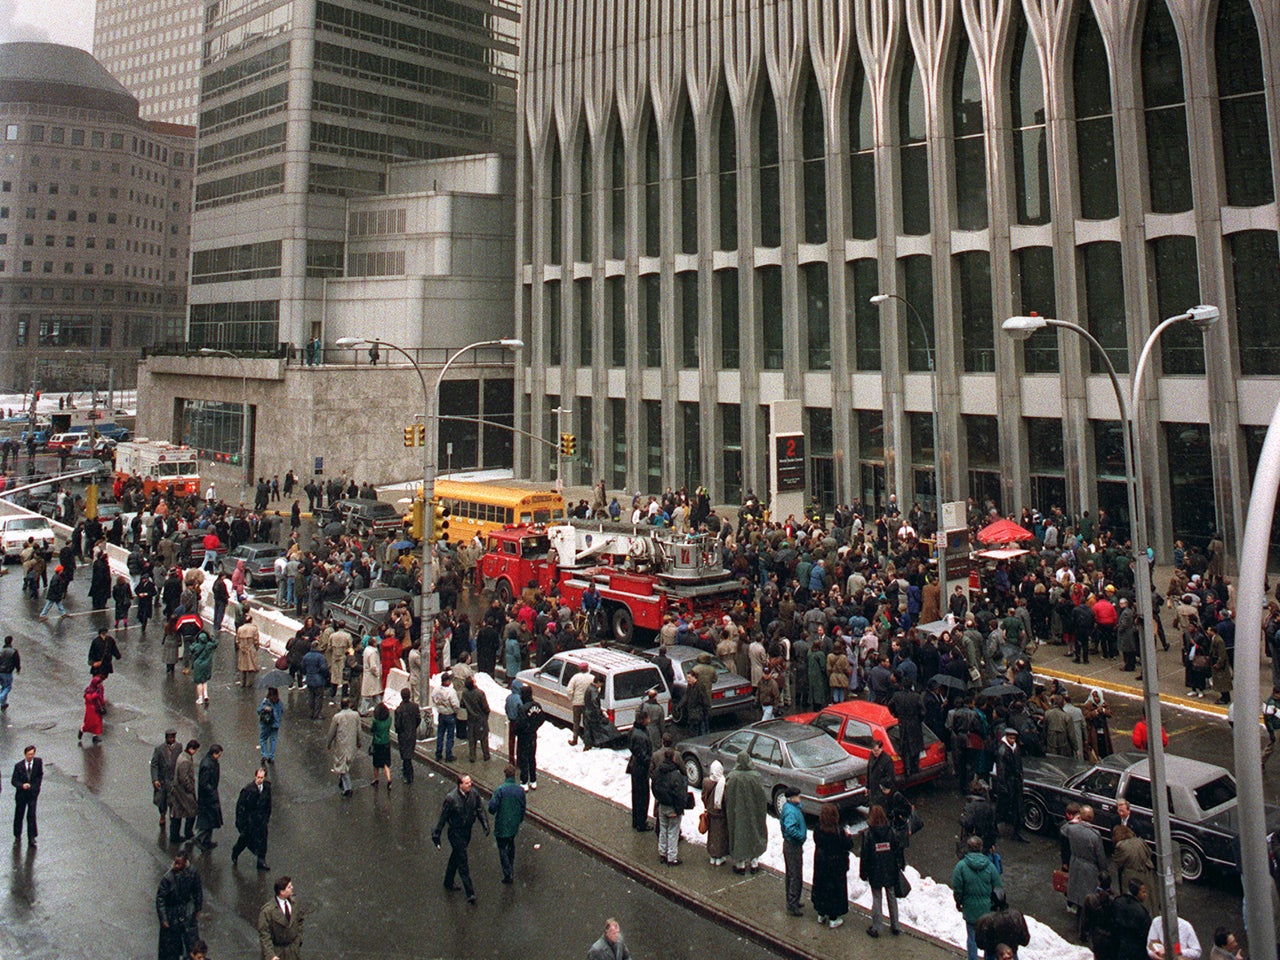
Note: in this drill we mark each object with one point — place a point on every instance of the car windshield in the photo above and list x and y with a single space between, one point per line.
815 752
534 546
26 523
1216 792
692 662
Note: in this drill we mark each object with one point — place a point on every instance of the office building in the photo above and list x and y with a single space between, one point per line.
711 192
94 222
153 48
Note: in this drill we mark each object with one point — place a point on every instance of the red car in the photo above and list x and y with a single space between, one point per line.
853 724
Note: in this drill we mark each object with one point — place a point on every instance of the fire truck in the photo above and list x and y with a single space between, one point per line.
158 464
640 578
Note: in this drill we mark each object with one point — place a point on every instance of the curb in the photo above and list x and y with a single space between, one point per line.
1130 691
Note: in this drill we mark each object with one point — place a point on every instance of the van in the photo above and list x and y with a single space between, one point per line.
627 678
65 441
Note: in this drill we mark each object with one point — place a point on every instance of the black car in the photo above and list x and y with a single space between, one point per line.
363 517
259 562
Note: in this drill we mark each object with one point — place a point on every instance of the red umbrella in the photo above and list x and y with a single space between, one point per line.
1003 531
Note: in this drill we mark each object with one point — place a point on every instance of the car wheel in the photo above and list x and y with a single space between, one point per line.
1191 860
503 592
623 625
779 800
692 770
1034 815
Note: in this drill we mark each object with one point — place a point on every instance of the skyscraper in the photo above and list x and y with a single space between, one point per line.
153 48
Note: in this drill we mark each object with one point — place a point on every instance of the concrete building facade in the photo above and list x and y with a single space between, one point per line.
153 48
710 192
95 208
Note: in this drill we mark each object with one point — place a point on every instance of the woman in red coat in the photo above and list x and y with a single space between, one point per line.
95 705
389 650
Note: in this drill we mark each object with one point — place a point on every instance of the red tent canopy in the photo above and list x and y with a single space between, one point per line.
1003 531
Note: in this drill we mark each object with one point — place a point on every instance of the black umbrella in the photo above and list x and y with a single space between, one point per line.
274 678
948 681
1004 691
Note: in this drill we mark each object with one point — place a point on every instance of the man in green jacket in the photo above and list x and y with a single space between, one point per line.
507 806
972 881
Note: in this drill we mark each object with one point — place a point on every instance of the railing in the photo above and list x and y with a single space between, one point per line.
328 355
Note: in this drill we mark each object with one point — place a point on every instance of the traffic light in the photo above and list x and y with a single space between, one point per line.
413 520
568 444
420 431
408 436
439 520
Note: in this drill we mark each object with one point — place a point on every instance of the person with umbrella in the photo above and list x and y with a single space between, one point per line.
270 713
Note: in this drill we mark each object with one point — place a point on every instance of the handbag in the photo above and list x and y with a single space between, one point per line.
915 824
282 662
1059 881
1200 663
902 886
703 824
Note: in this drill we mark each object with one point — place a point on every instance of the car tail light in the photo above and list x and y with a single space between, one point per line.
612 715
830 789
744 691
717 695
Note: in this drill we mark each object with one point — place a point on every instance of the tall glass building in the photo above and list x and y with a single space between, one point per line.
711 191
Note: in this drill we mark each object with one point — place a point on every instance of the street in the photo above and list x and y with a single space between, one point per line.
364 868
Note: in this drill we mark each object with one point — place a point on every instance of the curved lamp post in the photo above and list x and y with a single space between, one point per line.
244 407
1204 316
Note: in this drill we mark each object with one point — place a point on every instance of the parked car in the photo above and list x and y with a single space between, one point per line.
627 678
16 531
259 562
189 550
786 754
103 448
730 693
364 611
363 517
101 471
65 441
1202 808
855 723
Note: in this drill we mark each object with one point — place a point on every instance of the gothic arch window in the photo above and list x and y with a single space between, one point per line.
688 181
1165 113
727 175
970 146
1242 107
586 201
770 173
913 155
862 156
1030 139
813 145
617 191
555 200
1095 132
652 187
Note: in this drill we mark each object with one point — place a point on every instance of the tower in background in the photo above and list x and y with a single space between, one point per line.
153 48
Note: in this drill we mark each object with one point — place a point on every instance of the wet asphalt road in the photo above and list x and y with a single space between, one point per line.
364 868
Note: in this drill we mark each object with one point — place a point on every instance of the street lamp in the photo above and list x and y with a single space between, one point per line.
430 453
939 535
1204 316
244 408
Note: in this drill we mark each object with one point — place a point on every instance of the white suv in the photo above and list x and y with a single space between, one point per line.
16 531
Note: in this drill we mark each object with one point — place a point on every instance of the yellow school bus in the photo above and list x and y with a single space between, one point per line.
477 508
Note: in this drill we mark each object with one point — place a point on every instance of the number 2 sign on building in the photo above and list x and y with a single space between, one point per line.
790 462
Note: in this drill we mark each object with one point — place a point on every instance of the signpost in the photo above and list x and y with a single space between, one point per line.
791 463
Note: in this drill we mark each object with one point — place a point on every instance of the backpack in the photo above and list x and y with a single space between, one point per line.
266 714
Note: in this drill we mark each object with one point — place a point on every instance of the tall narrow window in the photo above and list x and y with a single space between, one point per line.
1242 106
617 321
1255 274
586 449
555 197
982 447
731 451
1046 458
862 284
652 443
817 314
913 155
1034 293
1177 287
770 172
651 304
771 316
1095 133
813 143
652 189
586 202
687 288
970 148
977 320
586 329
1192 510
1030 141
1168 155
691 447
618 193
551 321
1104 304
688 183
917 285
727 295
527 202
862 156
728 176
618 430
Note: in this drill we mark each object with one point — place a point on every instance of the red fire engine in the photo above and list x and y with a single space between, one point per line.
647 576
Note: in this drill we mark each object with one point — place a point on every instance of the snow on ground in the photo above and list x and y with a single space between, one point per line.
930 908
20 403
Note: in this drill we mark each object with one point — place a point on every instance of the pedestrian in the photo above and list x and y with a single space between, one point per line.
713 789
1187 940
280 924
1096 920
1097 718
28 774
103 650
881 781
202 651
183 804
1139 737
270 714
122 594
878 865
55 593
745 805
179 900
380 743
370 678
407 717
701 680
343 742
1130 921
528 719
253 814
767 694
507 805
315 673
163 759
1001 929
476 705
511 707
908 706
576 691
597 730
1220 661
247 639
670 790
99 582
95 706
208 803
10 663
1007 783
794 831
1225 945
832 845
638 763
978 819
973 880
610 946
459 813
